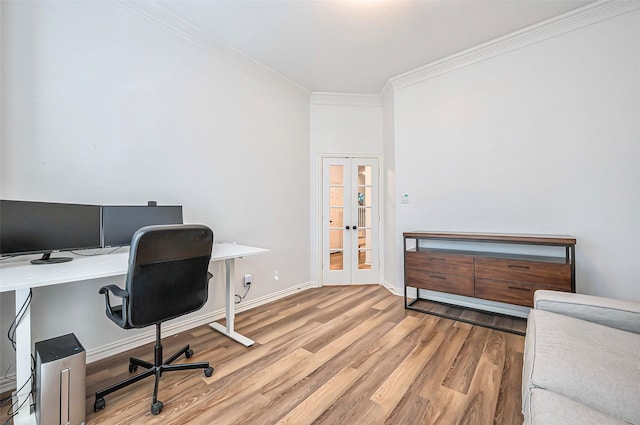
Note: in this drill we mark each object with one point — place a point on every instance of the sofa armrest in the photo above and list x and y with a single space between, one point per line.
618 314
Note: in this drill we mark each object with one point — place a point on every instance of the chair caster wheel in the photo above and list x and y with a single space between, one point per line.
208 372
132 367
189 353
99 404
156 407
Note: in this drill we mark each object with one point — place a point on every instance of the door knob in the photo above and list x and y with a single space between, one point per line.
355 227
346 227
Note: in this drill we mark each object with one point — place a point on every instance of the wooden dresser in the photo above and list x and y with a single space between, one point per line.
496 276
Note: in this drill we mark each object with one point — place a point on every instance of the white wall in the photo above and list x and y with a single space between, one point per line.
339 124
543 139
390 199
102 105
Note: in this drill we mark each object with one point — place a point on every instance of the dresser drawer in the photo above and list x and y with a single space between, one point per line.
439 262
454 284
508 292
556 275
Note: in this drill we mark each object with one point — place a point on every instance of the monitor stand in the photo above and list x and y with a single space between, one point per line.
46 259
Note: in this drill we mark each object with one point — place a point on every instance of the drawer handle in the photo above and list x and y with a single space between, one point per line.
515 266
437 259
517 288
438 277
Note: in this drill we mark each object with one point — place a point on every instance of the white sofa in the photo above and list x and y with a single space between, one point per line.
581 361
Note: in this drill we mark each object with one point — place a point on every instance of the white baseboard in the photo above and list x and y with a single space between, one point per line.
274 297
392 288
169 329
8 384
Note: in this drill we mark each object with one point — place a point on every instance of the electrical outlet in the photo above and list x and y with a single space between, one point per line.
404 199
247 279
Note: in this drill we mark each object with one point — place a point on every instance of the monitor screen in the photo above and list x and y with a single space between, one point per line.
119 223
43 227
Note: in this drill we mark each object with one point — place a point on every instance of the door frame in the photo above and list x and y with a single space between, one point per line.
379 158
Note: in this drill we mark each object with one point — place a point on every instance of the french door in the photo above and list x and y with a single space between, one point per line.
350 221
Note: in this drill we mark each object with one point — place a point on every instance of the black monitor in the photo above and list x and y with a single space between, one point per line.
28 227
120 222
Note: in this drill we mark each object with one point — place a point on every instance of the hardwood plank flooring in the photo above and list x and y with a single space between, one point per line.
332 355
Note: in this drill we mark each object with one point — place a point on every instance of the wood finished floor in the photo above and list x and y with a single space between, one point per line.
333 355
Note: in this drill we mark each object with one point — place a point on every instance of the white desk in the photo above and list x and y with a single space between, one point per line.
22 276
229 253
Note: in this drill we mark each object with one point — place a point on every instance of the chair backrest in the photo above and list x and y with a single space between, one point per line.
168 272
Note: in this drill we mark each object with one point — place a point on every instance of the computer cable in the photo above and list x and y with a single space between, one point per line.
239 298
11 333
13 410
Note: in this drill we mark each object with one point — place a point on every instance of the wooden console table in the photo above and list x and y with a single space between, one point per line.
496 276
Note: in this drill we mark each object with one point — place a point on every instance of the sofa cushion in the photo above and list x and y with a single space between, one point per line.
548 408
590 363
618 314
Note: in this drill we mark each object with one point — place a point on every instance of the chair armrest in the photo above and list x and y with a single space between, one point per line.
115 290
119 313
611 312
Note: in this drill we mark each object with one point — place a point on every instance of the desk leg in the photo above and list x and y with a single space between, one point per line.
230 306
23 362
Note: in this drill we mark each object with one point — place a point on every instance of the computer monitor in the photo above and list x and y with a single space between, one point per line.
28 227
120 222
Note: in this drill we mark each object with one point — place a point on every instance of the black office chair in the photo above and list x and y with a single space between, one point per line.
167 277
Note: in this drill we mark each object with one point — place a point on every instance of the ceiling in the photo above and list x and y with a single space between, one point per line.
355 46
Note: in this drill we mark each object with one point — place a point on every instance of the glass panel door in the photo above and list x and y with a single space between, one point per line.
350 221
364 217
336 217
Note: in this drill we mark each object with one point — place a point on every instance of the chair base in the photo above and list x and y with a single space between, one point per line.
153 369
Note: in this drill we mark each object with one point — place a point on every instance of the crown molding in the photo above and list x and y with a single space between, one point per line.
159 15
579 18
345 99
387 92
